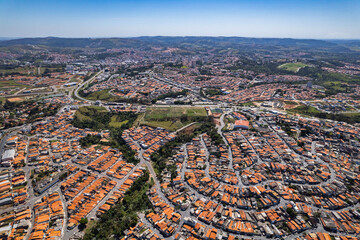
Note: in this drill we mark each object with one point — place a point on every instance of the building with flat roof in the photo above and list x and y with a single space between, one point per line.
8 155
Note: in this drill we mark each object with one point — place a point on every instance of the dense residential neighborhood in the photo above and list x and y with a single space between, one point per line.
175 142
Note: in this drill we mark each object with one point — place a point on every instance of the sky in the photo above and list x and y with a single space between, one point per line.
316 19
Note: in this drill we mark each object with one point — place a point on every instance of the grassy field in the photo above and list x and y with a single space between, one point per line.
6 84
170 118
74 80
116 122
161 113
350 117
248 104
101 95
87 113
336 86
95 117
306 110
22 70
50 69
169 125
292 67
138 120
290 104
196 112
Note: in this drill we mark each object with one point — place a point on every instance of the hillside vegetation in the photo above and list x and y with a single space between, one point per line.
292 67
313 112
98 118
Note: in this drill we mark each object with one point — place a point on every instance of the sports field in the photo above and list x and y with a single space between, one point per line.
171 118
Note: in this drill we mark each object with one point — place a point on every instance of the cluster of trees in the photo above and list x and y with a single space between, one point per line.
37 112
92 117
63 175
170 95
286 127
160 157
10 70
81 91
87 77
106 96
215 136
8 66
212 92
118 142
182 103
305 130
122 215
326 79
33 109
349 118
321 77
266 67
89 140
134 71
132 100
15 69
10 105
291 212
307 110
100 120
49 68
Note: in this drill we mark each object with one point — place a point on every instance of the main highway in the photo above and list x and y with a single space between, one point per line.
76 91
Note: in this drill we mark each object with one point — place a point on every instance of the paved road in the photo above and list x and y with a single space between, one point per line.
332 172
167 81
282 203
186 213
70 233
231 160
76 91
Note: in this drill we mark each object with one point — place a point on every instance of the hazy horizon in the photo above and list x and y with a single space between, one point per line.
324 39
306 19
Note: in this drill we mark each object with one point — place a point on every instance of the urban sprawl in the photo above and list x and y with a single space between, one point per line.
171 142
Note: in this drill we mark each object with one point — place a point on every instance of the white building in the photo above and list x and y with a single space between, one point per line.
8 155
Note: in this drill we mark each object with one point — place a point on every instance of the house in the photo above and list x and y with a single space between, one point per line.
243 124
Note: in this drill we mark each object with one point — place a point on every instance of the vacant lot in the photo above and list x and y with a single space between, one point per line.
92 117
336 86
103 95
292 67
97 118
172 118
290 104
15 99
7 84
21 70
161 113
117 122
306 110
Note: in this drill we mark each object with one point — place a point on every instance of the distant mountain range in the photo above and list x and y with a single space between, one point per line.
188 42
5 38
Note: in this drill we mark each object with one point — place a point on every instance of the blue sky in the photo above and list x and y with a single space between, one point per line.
330 19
